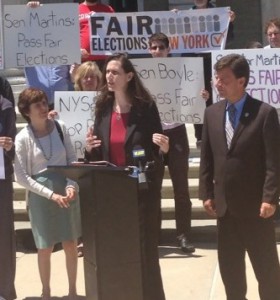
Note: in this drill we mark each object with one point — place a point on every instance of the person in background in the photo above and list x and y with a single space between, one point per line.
53 203
7 234
272 31
86 77
177 158
239 180
202 4
6 90
49 78
86 9
127 117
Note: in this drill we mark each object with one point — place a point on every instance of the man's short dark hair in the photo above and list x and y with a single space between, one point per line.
159 37
238 65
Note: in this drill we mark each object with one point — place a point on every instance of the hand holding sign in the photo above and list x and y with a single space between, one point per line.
6 142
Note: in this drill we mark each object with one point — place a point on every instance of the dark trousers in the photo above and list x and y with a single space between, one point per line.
149 201
198 131
7 241
257 237
178 165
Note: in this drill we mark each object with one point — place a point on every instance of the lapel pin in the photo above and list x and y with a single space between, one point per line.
246 115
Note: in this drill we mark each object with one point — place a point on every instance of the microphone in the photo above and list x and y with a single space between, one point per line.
139 158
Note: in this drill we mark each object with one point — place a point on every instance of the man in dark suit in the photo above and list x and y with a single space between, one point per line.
239 177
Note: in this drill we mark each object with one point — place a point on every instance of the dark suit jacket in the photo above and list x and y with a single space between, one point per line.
142 124
240 178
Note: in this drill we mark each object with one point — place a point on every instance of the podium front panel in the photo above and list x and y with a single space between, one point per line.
110 222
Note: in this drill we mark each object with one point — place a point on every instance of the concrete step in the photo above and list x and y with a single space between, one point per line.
193 168
12 72
198 212
167 188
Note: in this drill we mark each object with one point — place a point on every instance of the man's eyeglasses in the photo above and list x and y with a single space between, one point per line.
161 48
271 34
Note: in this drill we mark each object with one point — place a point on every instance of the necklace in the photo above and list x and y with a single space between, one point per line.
118 116
47 157
119 113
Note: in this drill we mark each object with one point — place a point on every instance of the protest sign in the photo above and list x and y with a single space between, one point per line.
188 30
264 81
175 83
76 110
41 36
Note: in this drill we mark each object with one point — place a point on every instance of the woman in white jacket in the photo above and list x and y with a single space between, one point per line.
53 204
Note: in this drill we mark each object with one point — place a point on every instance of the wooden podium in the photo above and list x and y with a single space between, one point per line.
110 226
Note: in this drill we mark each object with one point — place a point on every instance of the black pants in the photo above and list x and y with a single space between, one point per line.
148 218
178 165
257 237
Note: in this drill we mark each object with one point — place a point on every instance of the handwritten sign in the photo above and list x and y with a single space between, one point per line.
188 30
264 82
46 35
175 84
76 110
2 164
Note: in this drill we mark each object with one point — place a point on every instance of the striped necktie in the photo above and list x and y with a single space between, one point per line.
230 121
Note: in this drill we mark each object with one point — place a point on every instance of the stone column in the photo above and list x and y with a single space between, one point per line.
248 22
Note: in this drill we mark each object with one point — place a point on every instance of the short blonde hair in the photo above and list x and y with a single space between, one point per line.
83 70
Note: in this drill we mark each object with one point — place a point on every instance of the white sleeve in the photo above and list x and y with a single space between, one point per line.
22 161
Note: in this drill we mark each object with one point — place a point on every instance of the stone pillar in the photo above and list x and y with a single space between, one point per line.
149 5
248 22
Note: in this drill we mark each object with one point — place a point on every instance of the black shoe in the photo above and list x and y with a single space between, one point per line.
185 244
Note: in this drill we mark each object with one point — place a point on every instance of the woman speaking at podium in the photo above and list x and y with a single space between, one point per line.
127 120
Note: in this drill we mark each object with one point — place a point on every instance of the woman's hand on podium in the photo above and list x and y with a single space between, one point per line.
91 140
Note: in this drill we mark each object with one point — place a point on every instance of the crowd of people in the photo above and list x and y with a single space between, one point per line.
239 170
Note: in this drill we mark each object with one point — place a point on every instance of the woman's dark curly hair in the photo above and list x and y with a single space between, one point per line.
136 91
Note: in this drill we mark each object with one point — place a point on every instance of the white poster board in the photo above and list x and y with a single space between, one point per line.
188 30
264 82
2 164
76 110
175 83
46 35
